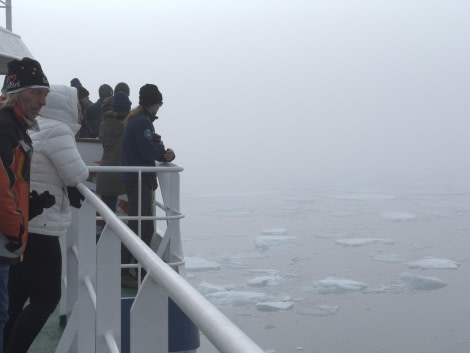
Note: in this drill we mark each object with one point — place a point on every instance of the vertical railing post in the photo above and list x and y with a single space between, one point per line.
108 290
86 275
8 21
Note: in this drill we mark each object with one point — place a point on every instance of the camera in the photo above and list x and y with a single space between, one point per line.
157 139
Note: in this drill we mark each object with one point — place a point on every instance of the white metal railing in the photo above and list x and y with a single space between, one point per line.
93 285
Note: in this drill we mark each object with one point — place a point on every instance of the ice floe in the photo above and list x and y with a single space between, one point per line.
274 231
434 263
200 264
227 257
390 258
420 282
399 216
363 241
236 298
321 310
265 281
333 285
275 306
264 242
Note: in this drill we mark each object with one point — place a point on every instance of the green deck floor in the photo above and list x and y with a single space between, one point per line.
49 337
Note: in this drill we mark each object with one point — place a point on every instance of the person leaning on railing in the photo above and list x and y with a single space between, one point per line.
141 146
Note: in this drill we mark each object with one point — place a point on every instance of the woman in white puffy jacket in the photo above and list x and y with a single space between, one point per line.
56 165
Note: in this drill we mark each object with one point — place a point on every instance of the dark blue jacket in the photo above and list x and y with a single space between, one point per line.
92 118
139 148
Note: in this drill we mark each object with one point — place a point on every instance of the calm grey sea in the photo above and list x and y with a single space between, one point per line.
371 234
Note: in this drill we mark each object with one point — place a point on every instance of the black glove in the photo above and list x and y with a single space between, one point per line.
75 197
38 202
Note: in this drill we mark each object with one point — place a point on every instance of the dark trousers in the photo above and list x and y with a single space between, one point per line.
37 278
110 201
147 227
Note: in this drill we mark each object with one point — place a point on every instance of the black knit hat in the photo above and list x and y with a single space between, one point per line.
149 95
121 102
105 90
75 82
25 73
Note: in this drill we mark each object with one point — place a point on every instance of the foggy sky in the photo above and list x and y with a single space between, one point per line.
260 94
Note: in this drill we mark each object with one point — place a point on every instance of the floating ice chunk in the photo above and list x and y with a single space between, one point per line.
321 310
242 256
434 263
390 258
363 241
275 306
264 281
332 285
236 298
399 216
421 282
266 271
274 231
200 264
264 242
206 288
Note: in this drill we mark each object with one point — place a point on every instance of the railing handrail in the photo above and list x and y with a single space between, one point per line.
222 332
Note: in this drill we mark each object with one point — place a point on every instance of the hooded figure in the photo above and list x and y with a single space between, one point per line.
56 161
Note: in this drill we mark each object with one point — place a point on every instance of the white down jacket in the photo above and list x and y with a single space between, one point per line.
56 162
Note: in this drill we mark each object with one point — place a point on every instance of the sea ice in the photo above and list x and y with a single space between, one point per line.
420 282
274 231
236 298
321 310
275 306
264 242
206 288
332 285
399 216
434 263
363 241
242 256
200 264
390 258
265 281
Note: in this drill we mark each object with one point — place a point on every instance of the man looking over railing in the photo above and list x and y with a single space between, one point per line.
141 146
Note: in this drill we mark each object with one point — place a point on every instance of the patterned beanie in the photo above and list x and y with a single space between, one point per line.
121 102
149 95
23 74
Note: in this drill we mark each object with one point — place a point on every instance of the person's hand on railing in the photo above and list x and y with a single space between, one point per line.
75 197
169 155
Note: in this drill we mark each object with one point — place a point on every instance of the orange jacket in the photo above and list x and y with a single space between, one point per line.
15 156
